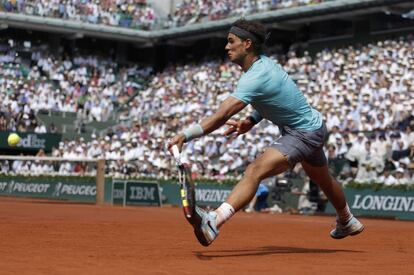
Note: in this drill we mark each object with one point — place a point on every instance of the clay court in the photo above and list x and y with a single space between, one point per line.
39 237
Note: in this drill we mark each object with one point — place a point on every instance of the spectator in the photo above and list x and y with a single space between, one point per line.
387 178
400 177
40 128
259 201
52 128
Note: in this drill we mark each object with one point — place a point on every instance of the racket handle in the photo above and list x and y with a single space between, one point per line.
176 152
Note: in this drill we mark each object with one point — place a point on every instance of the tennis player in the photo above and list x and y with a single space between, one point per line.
274 96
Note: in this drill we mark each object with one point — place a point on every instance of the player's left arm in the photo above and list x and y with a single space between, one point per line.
226 110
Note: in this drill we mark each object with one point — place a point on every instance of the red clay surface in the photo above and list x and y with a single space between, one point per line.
55 238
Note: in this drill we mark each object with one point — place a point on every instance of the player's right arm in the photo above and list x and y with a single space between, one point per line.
226 110
243 96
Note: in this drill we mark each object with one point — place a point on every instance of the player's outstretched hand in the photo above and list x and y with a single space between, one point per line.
176 140
239 127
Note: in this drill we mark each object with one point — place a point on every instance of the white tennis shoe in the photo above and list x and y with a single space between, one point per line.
353 227
206 231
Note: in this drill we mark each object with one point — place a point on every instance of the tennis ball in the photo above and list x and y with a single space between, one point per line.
13 139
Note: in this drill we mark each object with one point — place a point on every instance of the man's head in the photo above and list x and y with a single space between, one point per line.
244 38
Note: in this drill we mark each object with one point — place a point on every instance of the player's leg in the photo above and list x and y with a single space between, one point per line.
347 224
327 183
270 163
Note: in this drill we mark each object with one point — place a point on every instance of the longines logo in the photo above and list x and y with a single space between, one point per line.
212 195
385 203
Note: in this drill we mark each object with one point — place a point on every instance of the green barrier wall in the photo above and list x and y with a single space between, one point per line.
212 195
206 194
83 189
382 203
368 202
136 193
77 189
108 190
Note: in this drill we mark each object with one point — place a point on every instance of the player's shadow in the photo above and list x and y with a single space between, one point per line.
266 250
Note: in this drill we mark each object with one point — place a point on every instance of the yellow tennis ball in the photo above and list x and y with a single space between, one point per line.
13 139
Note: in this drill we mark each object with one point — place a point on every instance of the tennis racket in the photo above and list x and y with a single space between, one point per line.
187 188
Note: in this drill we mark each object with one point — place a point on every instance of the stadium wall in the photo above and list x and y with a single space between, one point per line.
74 189
390 203
398 204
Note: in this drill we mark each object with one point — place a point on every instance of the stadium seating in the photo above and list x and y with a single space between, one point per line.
82 89
141 15
192 11
365 93
127 14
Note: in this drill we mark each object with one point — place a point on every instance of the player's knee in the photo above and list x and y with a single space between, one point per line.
253 172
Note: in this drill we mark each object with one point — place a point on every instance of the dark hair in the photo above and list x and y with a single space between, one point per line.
257 29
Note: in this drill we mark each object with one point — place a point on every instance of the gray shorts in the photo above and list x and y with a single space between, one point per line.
301 145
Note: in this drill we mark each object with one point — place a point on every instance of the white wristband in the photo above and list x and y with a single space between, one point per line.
192 132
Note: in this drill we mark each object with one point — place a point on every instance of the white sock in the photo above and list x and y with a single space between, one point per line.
224 213
344 215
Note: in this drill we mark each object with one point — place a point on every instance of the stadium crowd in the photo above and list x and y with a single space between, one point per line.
139 14
195 11
90 85
365 94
